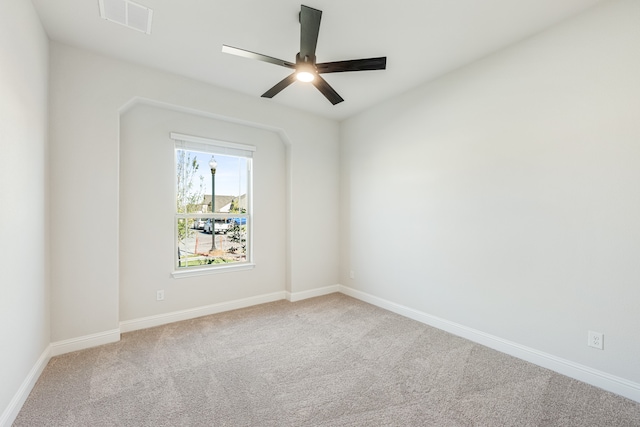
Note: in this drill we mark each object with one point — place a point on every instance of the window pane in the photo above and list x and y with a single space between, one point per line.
195 181
200 247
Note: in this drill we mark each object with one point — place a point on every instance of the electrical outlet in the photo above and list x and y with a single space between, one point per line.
160 295
352 275
596 340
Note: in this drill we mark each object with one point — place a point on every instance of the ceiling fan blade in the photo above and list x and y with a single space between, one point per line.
327 90
353 65
280 86
258 56
309 29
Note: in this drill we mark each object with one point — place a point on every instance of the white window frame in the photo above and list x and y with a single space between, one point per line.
206 145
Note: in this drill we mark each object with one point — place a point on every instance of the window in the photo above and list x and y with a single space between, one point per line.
213 203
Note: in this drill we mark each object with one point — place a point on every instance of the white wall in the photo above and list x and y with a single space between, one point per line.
24 278
87 93
147 214
505 196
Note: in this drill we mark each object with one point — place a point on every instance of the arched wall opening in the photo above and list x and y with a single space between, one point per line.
147 209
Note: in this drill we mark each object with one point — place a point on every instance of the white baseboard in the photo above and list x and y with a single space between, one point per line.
299 296
176 316
86 341
11 411
603 380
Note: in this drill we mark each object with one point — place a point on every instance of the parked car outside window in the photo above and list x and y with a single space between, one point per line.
221 226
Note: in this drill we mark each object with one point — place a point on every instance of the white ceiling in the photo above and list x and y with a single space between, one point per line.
422 39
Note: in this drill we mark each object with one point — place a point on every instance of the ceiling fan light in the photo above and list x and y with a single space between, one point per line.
305 76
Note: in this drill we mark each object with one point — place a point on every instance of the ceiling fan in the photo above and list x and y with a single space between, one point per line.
306 68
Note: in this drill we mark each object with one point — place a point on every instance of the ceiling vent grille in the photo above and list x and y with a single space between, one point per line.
127 13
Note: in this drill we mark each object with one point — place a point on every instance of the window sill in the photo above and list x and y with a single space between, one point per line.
211 270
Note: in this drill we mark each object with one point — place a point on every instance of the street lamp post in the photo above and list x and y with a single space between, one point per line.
213 164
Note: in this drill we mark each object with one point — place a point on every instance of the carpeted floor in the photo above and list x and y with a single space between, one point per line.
327 361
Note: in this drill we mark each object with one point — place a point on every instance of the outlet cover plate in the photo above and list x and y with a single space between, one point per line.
596 340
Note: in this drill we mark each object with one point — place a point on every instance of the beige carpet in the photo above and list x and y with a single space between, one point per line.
328 361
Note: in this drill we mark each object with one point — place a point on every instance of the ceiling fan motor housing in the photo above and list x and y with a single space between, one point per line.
306 59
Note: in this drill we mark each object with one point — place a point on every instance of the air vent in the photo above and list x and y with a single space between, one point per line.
127 13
